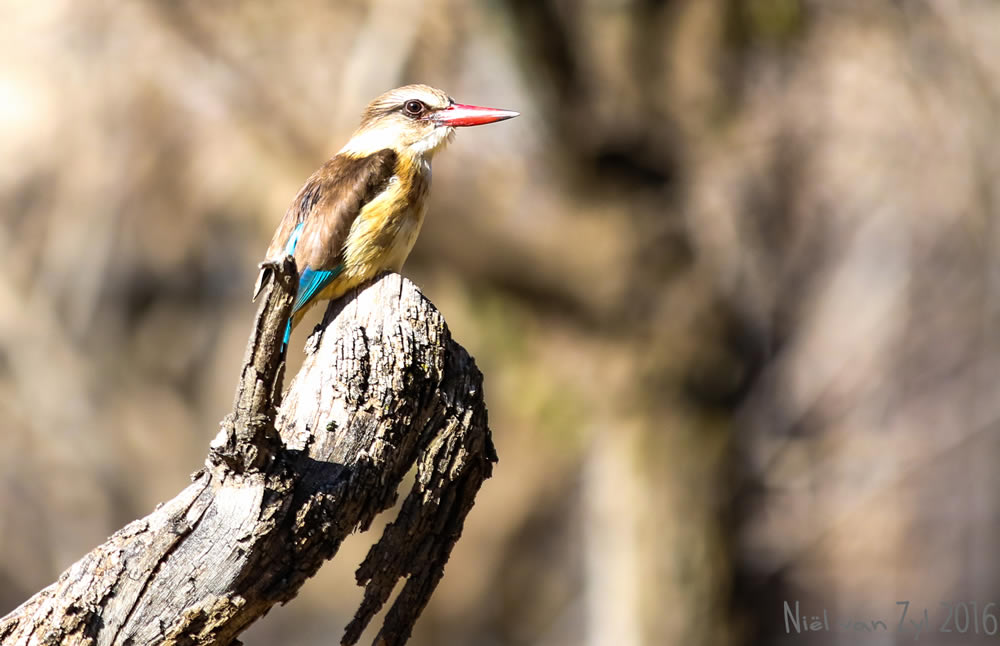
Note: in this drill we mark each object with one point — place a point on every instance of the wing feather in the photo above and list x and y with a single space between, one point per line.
316 224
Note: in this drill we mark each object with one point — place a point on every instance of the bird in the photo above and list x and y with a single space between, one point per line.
359 214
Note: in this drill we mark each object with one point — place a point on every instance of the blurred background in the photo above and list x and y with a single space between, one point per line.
733 278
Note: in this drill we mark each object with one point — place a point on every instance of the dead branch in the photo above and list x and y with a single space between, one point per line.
383 388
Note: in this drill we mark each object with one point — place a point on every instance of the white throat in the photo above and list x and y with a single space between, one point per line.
434 141
368 142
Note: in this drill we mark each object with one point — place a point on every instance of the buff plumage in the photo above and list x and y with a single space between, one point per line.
360 213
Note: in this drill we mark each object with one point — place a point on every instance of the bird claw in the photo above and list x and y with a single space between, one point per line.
283 268
285 264
272 264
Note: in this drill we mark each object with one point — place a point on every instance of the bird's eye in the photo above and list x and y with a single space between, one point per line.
414 108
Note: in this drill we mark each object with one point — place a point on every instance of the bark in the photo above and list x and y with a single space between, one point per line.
383 388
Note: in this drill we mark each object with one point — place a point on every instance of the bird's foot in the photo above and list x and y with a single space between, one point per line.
283 269
274 264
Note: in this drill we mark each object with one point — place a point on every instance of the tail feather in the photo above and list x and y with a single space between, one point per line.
288 335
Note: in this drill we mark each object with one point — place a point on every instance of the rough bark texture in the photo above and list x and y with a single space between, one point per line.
383 388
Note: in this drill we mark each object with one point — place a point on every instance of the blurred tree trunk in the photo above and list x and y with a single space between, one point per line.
623 85
383 389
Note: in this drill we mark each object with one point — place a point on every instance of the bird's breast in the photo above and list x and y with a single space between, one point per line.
387 227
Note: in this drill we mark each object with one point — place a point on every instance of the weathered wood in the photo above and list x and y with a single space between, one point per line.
383 388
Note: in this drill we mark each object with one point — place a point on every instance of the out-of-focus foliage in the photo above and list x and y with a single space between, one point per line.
732 278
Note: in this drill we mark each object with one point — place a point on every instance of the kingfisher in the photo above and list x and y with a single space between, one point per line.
359 214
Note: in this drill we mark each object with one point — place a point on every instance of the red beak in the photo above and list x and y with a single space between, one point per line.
458 114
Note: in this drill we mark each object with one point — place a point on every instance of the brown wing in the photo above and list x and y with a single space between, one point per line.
326 206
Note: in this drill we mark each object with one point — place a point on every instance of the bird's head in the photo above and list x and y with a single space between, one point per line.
415 120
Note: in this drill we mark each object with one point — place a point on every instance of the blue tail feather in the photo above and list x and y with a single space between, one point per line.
311 283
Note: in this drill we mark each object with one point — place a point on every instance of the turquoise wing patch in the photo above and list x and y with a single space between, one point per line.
312 282
293 240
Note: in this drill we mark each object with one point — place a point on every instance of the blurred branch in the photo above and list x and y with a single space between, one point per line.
383 388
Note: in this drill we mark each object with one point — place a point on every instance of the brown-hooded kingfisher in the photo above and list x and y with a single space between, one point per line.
360 213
